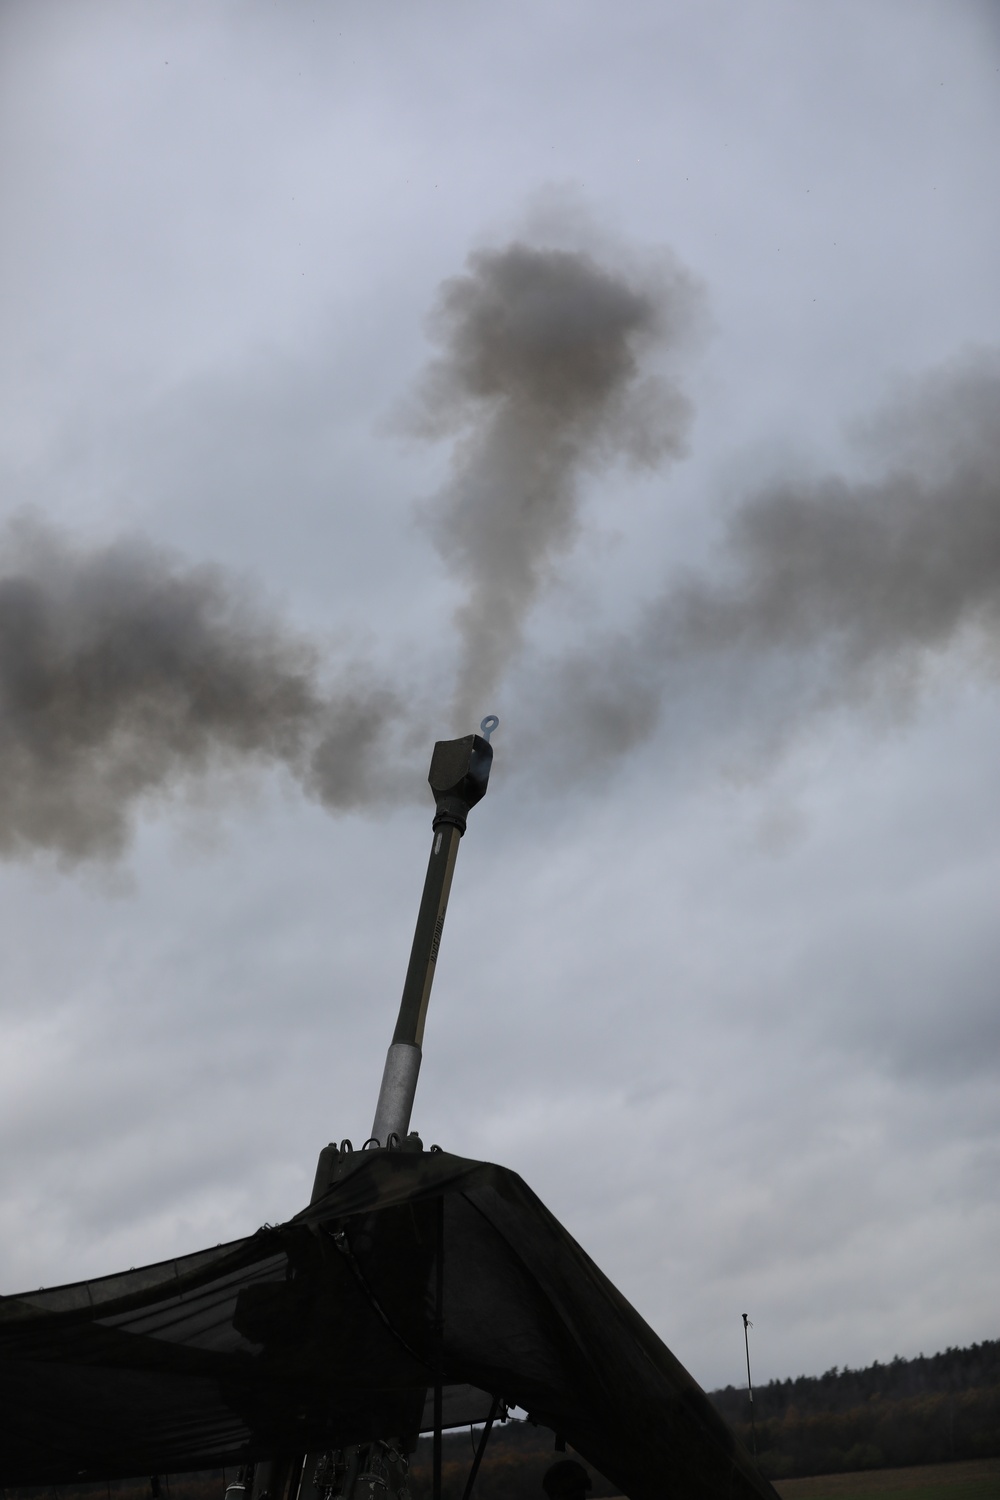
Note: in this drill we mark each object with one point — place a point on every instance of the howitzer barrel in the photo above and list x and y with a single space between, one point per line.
458 777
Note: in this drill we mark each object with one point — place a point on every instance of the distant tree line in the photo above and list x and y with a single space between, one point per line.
838 1390
910 1411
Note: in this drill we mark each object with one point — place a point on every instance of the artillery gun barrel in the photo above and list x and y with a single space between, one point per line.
458 777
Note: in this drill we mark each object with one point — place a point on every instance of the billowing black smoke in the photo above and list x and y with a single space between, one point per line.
123 672
825 592
544 373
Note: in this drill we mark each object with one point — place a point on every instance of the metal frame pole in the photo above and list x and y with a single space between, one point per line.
481 1447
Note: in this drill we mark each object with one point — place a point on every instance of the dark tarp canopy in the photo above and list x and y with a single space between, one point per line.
327 1331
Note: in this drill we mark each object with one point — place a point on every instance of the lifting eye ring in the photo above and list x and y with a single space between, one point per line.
488 725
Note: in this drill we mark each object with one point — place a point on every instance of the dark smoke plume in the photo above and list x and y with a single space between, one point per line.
122 673
826 592
542 375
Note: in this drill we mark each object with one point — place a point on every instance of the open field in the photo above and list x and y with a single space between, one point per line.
978 1479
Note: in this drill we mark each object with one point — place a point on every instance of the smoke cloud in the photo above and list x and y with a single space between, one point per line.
543 374
829 591
123 672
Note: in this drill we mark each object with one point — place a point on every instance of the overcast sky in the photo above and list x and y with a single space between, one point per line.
719 977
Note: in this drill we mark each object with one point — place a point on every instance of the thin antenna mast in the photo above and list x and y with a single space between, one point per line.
746 1339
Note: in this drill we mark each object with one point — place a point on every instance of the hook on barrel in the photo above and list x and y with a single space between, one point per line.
488 725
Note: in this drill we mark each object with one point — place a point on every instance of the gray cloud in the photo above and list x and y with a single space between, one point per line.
123 672
543 374
827 591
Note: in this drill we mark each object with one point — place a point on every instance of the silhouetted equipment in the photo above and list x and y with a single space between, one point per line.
458 778
319 1333
418 1291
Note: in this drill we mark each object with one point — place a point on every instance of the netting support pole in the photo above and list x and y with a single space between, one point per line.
484 1438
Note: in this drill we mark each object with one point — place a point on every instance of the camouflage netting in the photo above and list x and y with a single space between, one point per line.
328 1330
